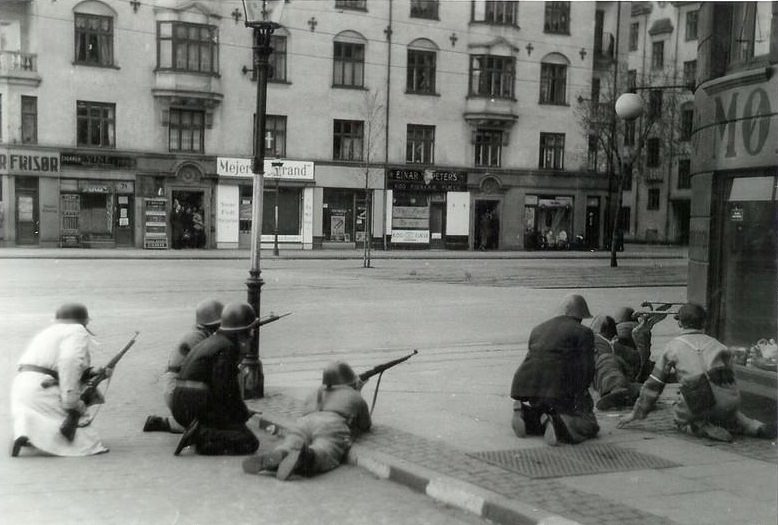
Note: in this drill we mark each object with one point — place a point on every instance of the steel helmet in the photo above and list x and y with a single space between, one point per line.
338 373
238 317
623 314
72 312
574 306
208 312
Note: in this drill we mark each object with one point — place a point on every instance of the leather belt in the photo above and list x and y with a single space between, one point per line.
39 369
197 385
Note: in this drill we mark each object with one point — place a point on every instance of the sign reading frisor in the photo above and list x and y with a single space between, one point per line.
290 170
426 180
19 161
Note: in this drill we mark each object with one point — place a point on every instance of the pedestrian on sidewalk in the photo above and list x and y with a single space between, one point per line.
336 414
699 359
207 398
207 320
47 390
551 387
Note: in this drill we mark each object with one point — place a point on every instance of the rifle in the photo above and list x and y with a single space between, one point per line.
90 395
380 369
272 317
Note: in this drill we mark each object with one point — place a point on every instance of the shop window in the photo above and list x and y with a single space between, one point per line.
421 72
691 25
497 12
275 136
186 130
188 47
289 210
29 120
96 124
425 9
347 139
690 73
245 209
634 32
684 174
348 65
94 217
553 83
552 151
492 76
360 5
94 40
687 122
557 19
653 147
653 199
658 55
343 215
420 144
488 147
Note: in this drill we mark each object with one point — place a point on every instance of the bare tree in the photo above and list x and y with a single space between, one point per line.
373 114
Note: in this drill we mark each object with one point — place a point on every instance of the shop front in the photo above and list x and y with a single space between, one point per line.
287 204
427 209
548 221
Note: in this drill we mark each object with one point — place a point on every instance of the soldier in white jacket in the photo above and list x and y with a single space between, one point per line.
48 385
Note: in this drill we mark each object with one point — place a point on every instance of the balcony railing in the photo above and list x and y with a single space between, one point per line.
12 62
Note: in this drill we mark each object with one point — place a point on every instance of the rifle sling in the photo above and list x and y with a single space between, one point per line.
39 369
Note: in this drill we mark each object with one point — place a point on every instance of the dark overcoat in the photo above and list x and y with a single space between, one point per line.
559 364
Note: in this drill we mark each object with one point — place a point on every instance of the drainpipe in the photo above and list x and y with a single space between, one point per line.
673 115
386 120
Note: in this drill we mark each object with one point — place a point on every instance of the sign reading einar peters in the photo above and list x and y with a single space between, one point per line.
241 167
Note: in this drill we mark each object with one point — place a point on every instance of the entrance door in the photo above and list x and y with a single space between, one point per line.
437 225
487 225
124 220
592 232
27 220
187 228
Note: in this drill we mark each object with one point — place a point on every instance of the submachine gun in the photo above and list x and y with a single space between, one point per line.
379 370
90 395
657 307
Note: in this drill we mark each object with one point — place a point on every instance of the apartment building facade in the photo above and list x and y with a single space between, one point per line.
440 124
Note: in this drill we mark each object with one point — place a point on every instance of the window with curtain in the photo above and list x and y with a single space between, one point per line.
557 19
492 76
690 73
351 4
424 9
634 32
29 120
421 72
188 47
96 124
94 40
498 12
347 137
552 151
553 83
488 147
658 55
420 144
186 130
276 71
691 25
275 126
348 65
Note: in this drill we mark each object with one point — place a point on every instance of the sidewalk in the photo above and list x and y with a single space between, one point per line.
649 474
632 251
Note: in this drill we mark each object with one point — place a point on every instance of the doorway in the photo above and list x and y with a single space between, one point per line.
187 220
486 229
124 220
592 233
437 225
27 217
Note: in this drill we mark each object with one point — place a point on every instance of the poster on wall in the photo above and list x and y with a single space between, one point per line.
155 224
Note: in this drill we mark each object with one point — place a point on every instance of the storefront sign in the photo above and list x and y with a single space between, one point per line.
13 162
411 236
426 180
87 186
228 214
290 169
91 160
155 224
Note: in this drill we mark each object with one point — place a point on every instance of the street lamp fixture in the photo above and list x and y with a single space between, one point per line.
262 16
277 165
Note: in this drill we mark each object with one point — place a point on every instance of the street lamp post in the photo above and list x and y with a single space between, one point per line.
277 165
256 17
629 106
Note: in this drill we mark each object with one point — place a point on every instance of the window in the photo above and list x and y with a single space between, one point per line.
94 40
275 129
347 140
421 72
96 124
188 47
691 25
348 65
632 80
652 152
684 174
557 18
351 4
424 9
492 76
634 32
658 55
687 122
29 120
629 132
553 83
498 12
654 104
750 29
277 59
626 182
591 152
653 199
690 73
186 130
488 147
420 144
552 151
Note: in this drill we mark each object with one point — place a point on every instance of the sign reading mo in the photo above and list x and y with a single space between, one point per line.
752 115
